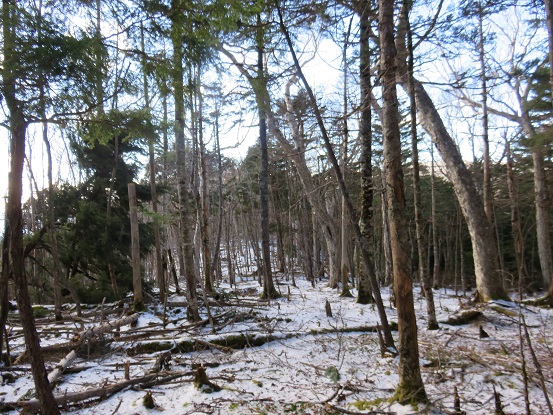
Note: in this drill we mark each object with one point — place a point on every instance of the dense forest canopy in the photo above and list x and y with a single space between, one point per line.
394 142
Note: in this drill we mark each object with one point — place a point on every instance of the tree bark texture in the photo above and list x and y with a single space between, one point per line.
204 199
543 204
14 261
160 276
364 295
269 290
516 228
487 185
138 301
486 268
186 220
410 381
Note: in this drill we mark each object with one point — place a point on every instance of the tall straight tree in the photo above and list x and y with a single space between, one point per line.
549 17
138 299
424 275
204 197
159 274
52 234
487 185
184 196
12 255
269 290
410 380
344 258
365 136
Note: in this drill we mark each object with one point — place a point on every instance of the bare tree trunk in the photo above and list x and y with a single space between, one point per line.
185 198
487 187
344 259
436 272
204 201
231 274
488 276
217 251
158 258
318 266
364 295
388 277
388 339
4 297
138 301
543 204
515 218
52 231
410 381
269 290
297 156
52 219
424 275
13 256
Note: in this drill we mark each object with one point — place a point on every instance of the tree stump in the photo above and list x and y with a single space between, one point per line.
328 309
203 383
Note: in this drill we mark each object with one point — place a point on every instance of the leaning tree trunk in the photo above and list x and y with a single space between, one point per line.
410 381
388 339
297 156
488 277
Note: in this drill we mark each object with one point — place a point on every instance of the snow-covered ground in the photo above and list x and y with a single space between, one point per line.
314 364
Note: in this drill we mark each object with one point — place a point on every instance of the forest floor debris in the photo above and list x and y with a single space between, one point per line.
302 362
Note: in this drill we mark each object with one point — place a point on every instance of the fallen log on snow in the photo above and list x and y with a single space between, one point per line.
103 392
110 325
230 342
80 337
64 363
463 317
